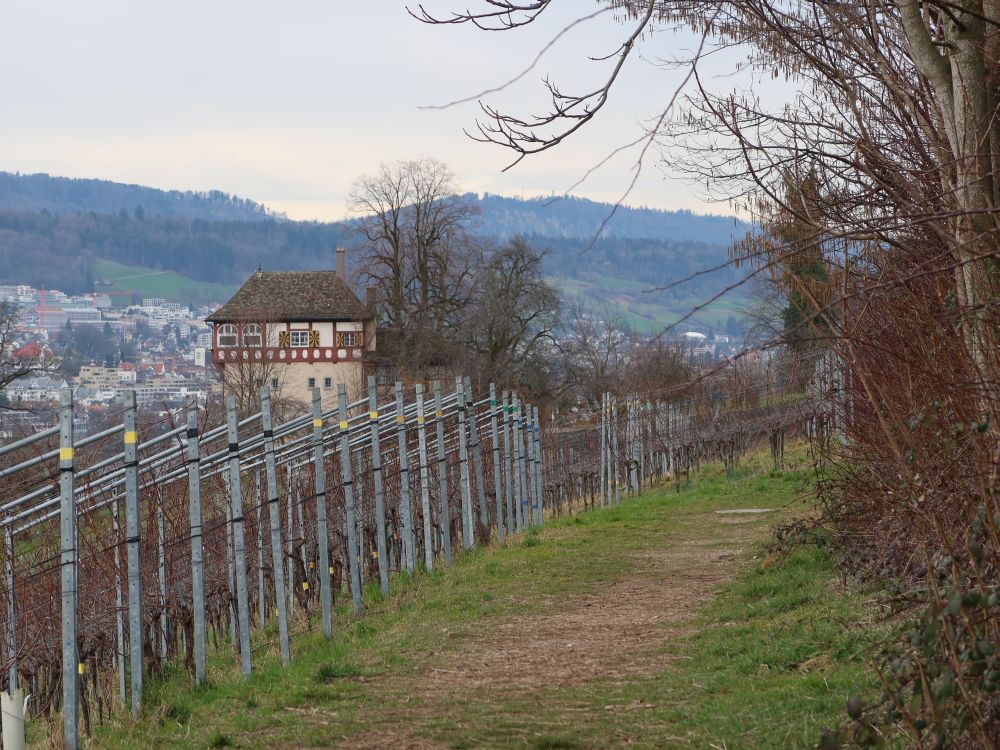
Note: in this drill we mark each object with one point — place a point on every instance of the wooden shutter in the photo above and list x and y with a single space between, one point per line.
340 340
314 339
284 339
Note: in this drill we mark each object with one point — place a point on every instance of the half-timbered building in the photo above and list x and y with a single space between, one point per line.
294 331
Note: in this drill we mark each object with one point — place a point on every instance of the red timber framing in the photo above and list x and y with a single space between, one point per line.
285 352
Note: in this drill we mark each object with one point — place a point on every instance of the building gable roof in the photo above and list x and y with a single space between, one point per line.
292 295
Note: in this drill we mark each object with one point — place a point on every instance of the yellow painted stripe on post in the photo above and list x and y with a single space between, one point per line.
81 667
317 423
131 438
400 419
439 413
65 454
331 570
420 419
305 585
373 415
343 425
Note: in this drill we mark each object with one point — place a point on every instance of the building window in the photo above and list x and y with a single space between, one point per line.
299 338
349 339
252 336
274 383
312 382
328 382
227 336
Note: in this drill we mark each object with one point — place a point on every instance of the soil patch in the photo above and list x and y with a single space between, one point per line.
534 662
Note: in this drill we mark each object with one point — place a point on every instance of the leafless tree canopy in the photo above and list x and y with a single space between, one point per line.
417 253
243 379
511 325
446 298
875 188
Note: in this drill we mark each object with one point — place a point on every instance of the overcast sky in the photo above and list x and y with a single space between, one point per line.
287 102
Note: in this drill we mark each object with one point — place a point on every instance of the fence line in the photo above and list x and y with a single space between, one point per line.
196 531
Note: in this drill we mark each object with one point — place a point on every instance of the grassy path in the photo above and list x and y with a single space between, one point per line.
650 625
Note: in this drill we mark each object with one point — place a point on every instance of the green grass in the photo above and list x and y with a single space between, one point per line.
121 282
648 312
781 651
765 663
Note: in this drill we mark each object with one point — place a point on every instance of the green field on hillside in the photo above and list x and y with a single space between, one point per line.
642 310
123 282
660 623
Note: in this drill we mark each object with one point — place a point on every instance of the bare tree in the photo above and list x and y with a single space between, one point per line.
417 253
595 347
655 364
515 313
244 376
885 165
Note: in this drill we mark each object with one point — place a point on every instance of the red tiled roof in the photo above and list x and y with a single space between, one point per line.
292 295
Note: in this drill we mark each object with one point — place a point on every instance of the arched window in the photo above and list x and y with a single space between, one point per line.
227 336
251 336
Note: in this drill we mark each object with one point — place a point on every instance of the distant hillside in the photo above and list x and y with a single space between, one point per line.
640 252
579 218
73 235
64 195
59 251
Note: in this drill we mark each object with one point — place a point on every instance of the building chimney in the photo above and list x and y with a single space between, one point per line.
342 263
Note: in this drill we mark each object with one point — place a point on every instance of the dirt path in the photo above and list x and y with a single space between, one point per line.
541 665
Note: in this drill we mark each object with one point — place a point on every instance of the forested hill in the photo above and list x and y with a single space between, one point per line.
579 218
52 251
64 195
101 246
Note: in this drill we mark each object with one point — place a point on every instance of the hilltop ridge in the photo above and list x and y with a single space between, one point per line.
64 233
69 195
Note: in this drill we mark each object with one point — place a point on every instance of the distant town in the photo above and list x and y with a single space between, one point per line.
157 348
162 350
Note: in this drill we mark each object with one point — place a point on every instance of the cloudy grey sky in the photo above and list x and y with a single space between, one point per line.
288 101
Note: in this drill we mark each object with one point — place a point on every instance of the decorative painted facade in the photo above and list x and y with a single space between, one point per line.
295 331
